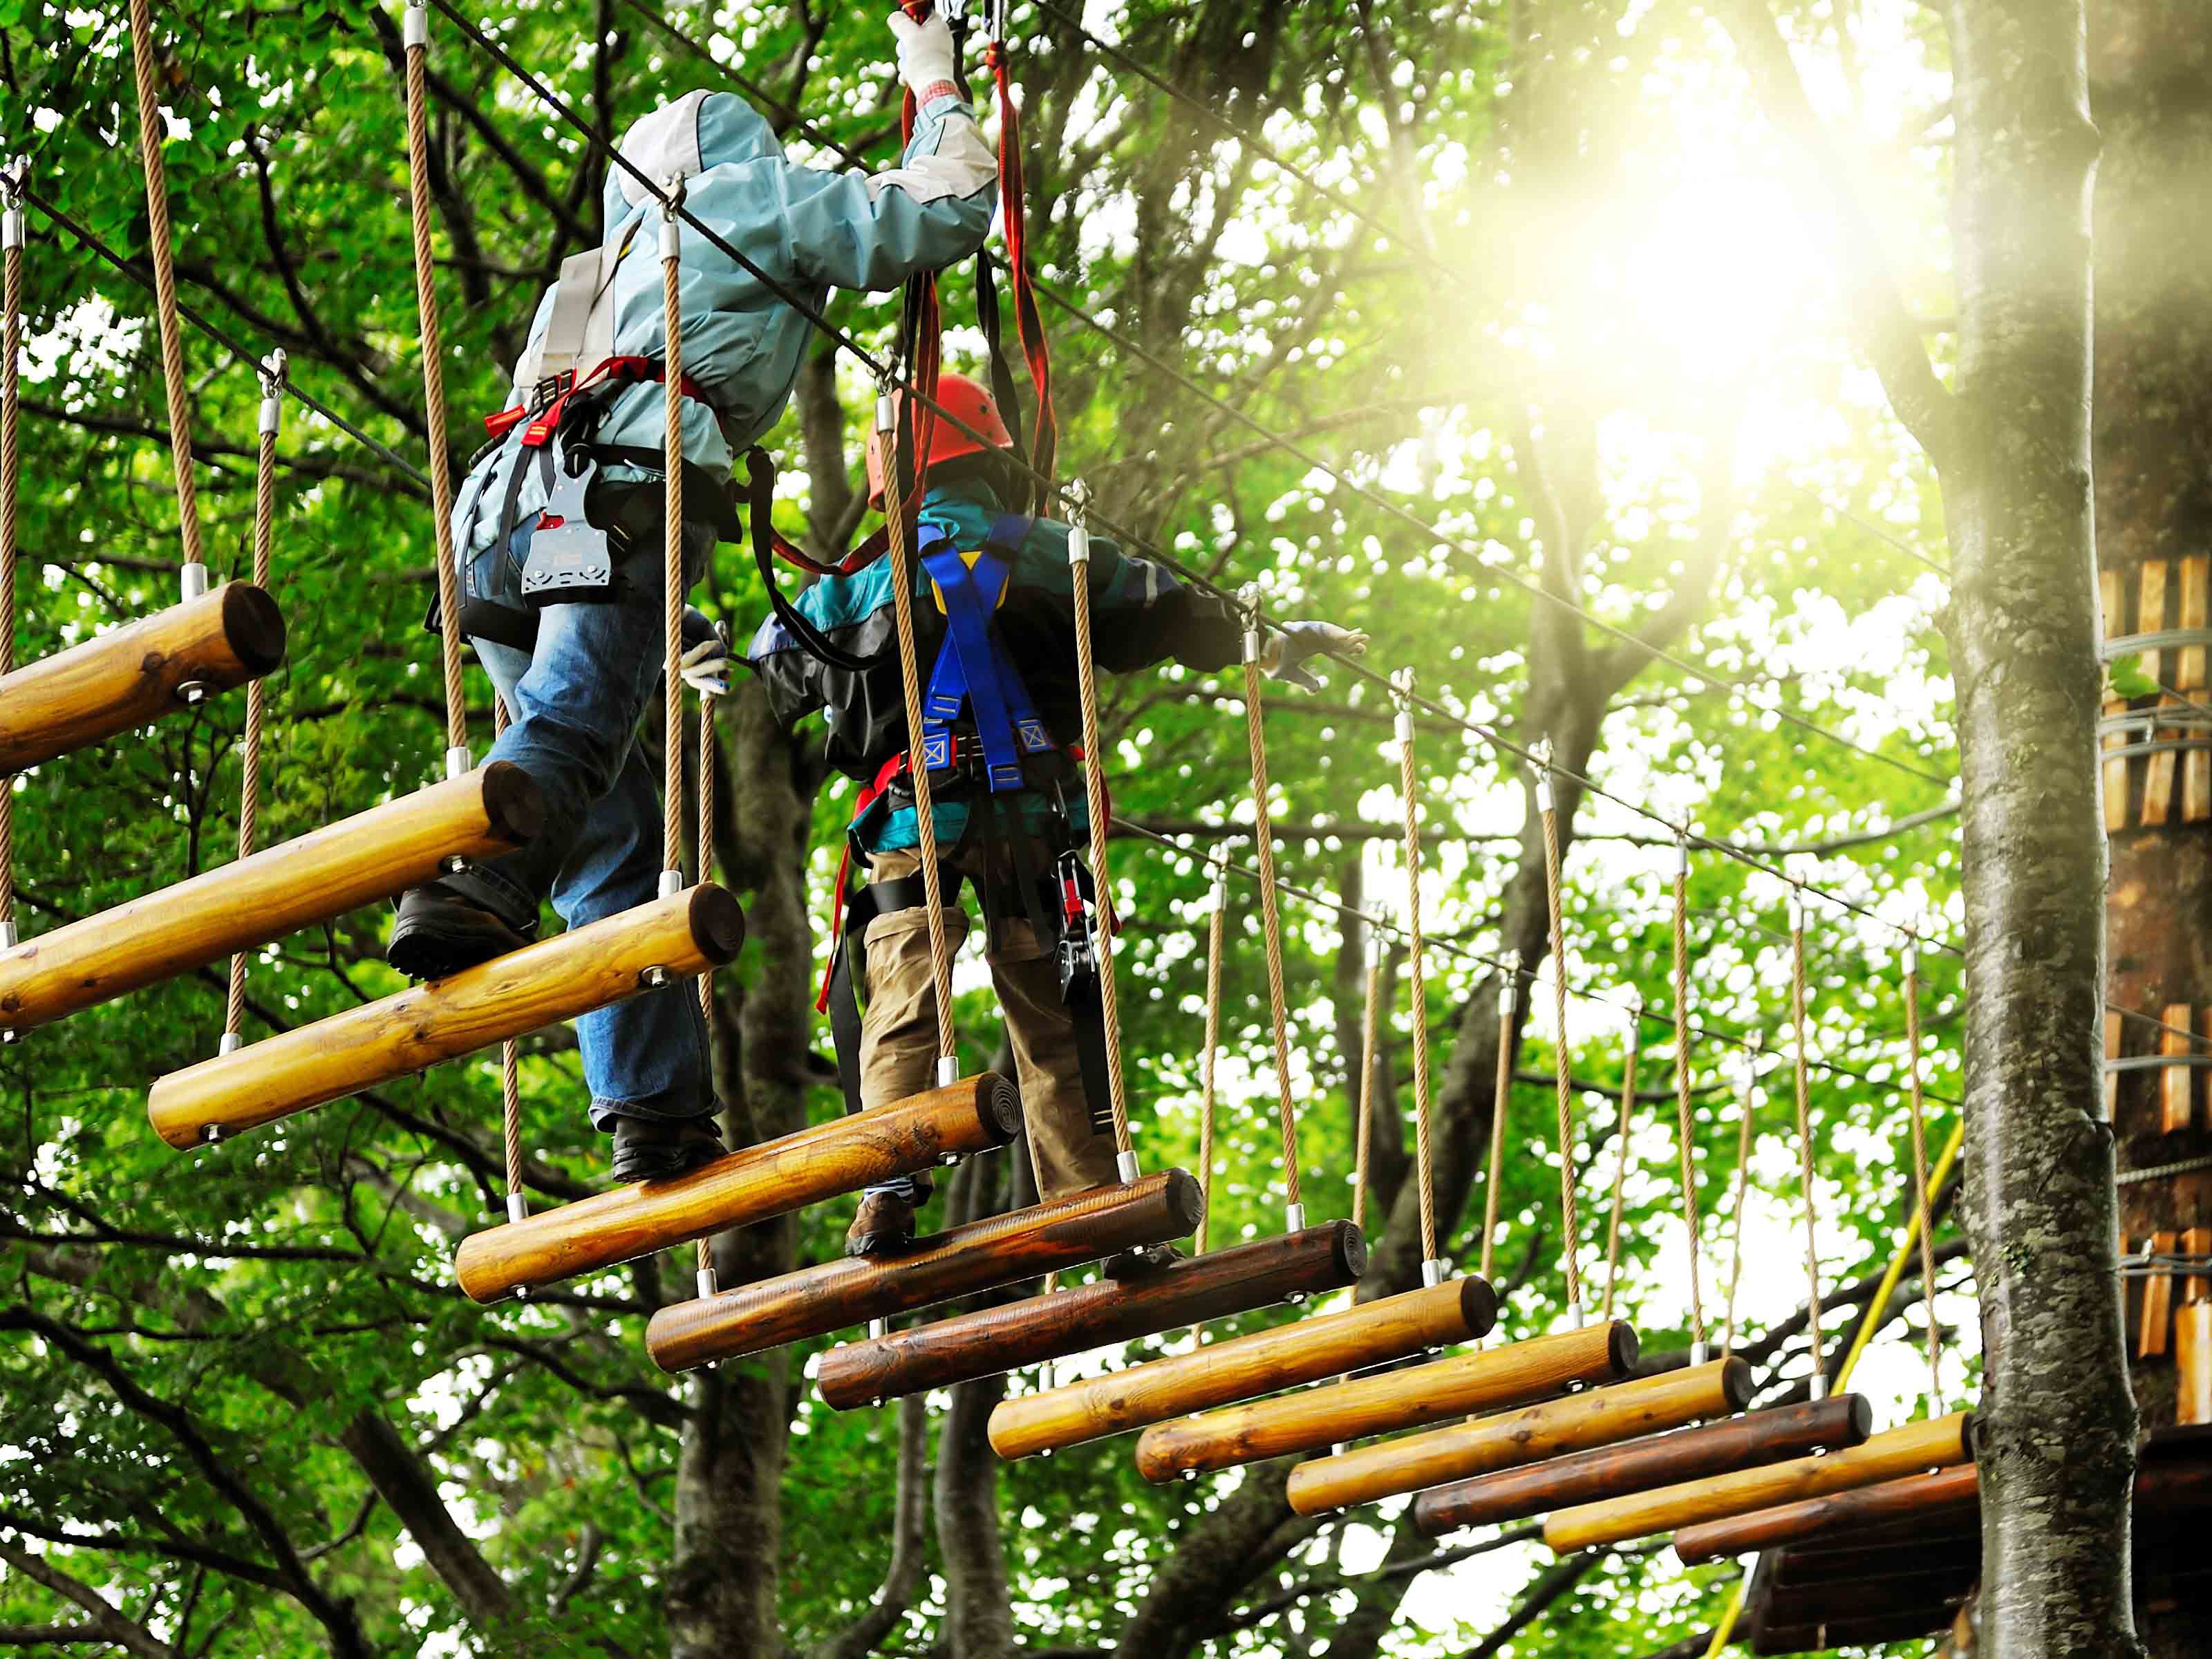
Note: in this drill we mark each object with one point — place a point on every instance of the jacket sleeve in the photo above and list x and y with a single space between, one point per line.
1142 615
874 231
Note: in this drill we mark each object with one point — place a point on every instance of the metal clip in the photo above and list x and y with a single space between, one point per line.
518 1208
1542 755
1248 601
671 208
672 882
1510 987
271 371
1077 496
886 400
415 27
1401 693
11 203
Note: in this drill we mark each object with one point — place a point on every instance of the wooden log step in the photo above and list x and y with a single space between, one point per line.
1245 1367
1914 1449
554 980
1310 1262
1877 1632
1534 1369
1001 1249
133 675
1903 1593
1793 1567
817 1163
1663 1460
257 901
1915 1501
1596 1416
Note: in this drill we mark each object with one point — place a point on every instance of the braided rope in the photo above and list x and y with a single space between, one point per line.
1620 1153
925 809
1570 1227
1417 984
434 384
1921 1194
1214 925
11 472
706 860
510 1064
165 278
672 545
1366 1132
1805 1138
1101 814
1501 1098
1735 1226
1682 1131
1271 913
264 544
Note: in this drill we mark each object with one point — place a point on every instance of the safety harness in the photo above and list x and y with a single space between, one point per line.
981 740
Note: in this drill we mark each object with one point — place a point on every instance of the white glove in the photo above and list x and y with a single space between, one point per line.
1294 644
925 51
706 667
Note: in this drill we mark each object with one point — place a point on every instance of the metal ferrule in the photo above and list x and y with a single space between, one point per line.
415 27
1699 1353
948 1070
1820 1387
671 232
457 761
707 1286
231 1043
7 928
1544 794
518 1208
273 414
1575 1316
1125 1166
886 408
11 228
192 581
1405 725
1294 1218
878 1329
672 882
1078 543
1432 1273
1682 854
1911 958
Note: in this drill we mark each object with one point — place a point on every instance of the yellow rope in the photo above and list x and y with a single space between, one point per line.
671 540
150 133
1094 783
1509 985
1208 1060
1417 983
1920 1189
1562 1085
1271 913
433 383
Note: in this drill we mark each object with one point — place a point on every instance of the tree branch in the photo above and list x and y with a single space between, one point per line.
108 1622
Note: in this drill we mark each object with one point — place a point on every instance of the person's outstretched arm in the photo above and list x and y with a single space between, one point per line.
932 210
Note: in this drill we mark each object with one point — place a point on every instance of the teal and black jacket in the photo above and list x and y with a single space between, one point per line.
1141 616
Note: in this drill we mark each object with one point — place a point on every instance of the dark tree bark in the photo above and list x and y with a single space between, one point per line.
2057 1423
2151 68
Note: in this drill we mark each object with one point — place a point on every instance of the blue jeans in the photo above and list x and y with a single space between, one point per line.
576 701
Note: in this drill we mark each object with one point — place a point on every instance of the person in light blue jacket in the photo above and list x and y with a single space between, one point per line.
556 528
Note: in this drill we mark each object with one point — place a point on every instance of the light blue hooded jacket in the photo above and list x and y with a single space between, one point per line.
810 230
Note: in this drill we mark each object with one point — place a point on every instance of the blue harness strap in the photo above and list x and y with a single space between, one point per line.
970 672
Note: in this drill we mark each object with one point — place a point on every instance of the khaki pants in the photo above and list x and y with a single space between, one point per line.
898 1028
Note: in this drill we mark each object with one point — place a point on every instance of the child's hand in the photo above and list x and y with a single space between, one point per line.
1297 643
706 667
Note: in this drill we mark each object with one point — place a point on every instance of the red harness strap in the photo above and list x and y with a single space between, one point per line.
1044 434
612 370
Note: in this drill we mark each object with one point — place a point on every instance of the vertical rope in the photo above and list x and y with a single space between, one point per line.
1563 1086
1743 1181
706 859
1621 1151
1683 1135
510 1066
151 132
671 544
925 809
1208 1060
1417 984
11 471
1922 1196
1101 814
1366 1132
416 39
1805 1137
1271 913
1501 1098
249 788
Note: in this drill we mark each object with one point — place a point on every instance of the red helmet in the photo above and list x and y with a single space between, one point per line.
967 402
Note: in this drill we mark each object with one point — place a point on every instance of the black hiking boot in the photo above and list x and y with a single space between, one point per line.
440 932
653 1148
1145 1259
885 1225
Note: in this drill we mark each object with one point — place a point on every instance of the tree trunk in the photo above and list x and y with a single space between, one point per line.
2057 1424
2152 97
